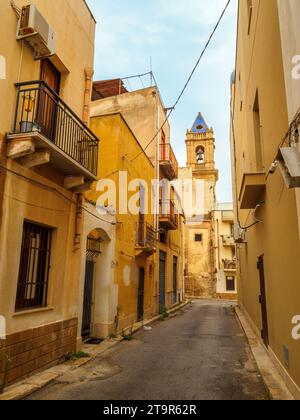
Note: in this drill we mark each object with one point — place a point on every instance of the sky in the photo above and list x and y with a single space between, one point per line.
173 34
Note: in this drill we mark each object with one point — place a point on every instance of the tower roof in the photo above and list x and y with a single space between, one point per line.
199 125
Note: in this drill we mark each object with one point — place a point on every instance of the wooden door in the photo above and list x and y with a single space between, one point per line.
263 301
175 287
141 292
48 106
162 280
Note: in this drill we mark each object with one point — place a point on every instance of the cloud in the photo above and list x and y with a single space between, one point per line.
173 34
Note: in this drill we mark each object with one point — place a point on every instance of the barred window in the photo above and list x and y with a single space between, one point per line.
34 267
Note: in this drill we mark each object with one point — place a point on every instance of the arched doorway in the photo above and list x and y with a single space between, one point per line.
93 252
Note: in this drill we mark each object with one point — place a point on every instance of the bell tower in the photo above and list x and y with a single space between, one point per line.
200 266
200 145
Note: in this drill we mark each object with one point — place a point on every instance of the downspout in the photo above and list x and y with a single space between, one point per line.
157 196
89 73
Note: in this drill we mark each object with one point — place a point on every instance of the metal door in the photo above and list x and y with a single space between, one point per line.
88 297
162 280
175 297
263 301
141 292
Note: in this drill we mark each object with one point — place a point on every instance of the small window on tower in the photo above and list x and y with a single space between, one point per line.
198 237
200 127
200 155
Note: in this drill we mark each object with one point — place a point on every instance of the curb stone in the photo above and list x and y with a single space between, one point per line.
272 379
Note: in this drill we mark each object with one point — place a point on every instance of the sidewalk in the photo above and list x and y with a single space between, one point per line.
36 382
271 377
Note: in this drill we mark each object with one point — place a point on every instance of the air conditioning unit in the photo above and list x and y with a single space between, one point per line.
34 29
289 163
239 234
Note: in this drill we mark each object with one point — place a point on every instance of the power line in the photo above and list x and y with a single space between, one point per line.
50 189
188 80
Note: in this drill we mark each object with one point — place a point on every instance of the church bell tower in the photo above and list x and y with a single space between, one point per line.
200 267
200 147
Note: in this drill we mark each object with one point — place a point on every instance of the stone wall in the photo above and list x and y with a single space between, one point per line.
36 349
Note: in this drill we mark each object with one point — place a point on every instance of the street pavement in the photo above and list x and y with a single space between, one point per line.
200 353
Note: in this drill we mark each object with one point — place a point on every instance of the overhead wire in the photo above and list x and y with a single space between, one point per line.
50 189
187 82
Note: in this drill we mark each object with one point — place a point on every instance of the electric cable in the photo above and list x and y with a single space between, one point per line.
187 82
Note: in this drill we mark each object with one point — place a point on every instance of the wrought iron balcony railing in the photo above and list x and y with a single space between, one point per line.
168 214
146 237
40 109
168 160
229 265
228 240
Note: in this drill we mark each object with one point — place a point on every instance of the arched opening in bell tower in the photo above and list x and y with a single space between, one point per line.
200 155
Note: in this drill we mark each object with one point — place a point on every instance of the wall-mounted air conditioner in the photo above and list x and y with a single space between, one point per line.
34 29
289 163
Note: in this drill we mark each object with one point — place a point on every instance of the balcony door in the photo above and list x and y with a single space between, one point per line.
141 224
48 104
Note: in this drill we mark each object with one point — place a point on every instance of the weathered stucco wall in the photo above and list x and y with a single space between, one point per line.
259 68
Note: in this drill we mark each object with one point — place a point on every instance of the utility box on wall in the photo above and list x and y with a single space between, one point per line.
289 163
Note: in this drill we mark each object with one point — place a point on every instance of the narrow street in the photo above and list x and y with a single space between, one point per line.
201 353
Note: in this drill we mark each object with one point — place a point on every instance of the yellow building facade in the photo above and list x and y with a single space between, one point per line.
144 113
266 210
225 252
48 157
135 241
199 237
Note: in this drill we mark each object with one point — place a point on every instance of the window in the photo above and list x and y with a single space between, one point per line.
257 135
34 267
200 155
230 284
250 11
240 88
198 237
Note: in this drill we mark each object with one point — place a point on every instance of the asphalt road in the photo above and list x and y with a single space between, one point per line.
199 354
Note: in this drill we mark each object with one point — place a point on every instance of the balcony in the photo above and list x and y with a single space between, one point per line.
227 216
146 240
168 161
228 240
47 131
252 190
229 265
168 215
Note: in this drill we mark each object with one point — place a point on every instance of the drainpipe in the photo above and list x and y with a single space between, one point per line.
157 163
89 73
78 222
